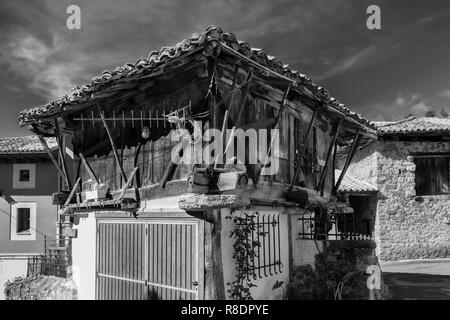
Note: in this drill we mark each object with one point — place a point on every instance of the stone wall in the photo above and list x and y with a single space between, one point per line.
409 227
406 226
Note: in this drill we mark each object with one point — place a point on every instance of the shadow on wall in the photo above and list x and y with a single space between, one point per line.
339 273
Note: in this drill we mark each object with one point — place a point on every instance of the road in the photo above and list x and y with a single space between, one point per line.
418 280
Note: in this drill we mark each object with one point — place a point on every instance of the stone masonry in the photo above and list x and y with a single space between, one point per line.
407 226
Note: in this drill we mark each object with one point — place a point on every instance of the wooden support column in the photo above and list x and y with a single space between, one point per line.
321 184
49 152
214 282
245 93
113 145
303 148
227 112
62 156
348 160
88 168
136 164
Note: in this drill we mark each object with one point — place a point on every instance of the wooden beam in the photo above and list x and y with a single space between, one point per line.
49 152
303 148
89 169
214 281
113 145
61 155
348 160
128 182
244 97
72 192
321 184
227 111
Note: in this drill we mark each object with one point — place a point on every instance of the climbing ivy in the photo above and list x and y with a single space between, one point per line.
243 253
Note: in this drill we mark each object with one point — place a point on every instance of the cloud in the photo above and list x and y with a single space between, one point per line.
445 94
420 109
406 99
29 57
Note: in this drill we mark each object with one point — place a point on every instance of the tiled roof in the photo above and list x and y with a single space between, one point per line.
414 125
27 144
155 59
352 184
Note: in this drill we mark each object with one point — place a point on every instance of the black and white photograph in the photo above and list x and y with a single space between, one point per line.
215 152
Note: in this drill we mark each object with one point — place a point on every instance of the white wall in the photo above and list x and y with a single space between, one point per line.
264 286
83 257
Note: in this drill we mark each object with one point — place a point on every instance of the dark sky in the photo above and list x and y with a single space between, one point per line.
383 74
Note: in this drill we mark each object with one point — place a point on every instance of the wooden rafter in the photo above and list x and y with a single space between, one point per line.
349 159
303 148
321 184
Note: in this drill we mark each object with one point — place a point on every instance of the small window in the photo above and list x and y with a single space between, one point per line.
432 175
24 175
23 221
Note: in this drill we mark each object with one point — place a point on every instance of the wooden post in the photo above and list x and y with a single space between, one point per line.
127 183
49 152
349 159
61 155
241 110
227 111
88 168
305 145
72 193
113 145
214 282
321 183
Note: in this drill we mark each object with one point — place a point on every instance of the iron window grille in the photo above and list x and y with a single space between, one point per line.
264 239
334 226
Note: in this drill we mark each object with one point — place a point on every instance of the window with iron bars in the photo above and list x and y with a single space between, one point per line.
324 225
263 237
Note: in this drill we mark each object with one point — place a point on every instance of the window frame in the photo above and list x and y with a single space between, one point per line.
17 183
23 236
427 173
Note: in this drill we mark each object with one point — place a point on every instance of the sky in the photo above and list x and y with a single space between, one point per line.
386 74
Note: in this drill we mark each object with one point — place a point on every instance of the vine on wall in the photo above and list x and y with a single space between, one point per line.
243 253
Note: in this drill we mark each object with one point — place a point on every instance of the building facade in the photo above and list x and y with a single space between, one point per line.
27 216
409 166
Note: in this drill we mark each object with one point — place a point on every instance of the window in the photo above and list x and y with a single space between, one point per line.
23 221
432 175
24 176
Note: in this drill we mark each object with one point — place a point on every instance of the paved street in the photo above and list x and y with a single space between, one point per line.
418 280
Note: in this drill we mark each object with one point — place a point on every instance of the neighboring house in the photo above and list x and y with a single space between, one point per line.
146 228
409 166
27 216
